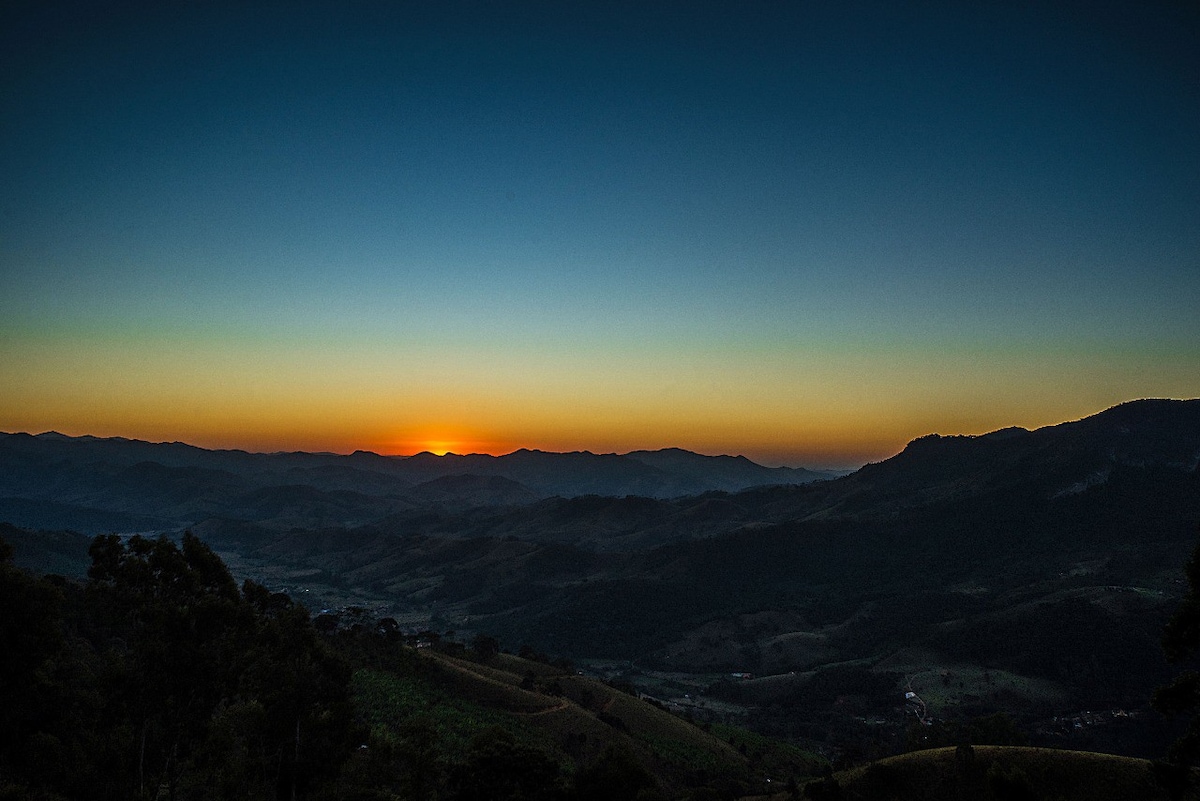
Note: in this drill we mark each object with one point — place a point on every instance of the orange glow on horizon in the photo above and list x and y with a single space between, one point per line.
833 453
838 407
439 444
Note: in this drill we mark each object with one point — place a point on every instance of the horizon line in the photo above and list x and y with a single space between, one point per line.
283 452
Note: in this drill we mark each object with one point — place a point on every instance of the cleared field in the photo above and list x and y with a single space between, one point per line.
945 686
945 689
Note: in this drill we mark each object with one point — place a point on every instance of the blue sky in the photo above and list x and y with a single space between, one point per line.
801 231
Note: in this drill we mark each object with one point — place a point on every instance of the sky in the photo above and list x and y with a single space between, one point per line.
805 232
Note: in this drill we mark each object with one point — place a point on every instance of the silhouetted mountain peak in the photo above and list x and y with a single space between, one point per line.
1005 433
1057 459
114 484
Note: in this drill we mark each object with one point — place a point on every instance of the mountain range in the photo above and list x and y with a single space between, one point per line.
1020 572
101 485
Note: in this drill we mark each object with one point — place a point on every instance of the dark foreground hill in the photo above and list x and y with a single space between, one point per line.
158 672
158 677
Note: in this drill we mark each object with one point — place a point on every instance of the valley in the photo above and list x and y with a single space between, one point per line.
1008 589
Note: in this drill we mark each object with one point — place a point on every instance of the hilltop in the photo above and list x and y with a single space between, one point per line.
1000 772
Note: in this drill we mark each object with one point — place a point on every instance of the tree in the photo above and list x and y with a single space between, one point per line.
173 616
498 769
485 647
1181 640
160 679
616 774
31 633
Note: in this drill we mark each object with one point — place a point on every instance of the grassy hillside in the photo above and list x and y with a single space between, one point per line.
996 772
450 698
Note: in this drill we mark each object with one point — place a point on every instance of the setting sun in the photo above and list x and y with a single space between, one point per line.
439 443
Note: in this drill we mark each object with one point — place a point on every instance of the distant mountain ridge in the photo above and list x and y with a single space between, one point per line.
97 485
103 484
1054 460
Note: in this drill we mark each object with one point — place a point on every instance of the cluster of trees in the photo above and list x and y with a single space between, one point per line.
161 678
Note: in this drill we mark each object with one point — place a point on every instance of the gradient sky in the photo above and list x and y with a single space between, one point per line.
804 232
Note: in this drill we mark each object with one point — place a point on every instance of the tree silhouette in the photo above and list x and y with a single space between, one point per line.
160 679
498 769
31 633
485 647
1181 640
616 774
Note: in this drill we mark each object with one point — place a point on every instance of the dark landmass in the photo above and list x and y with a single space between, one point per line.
102 485
1006 589
159 677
